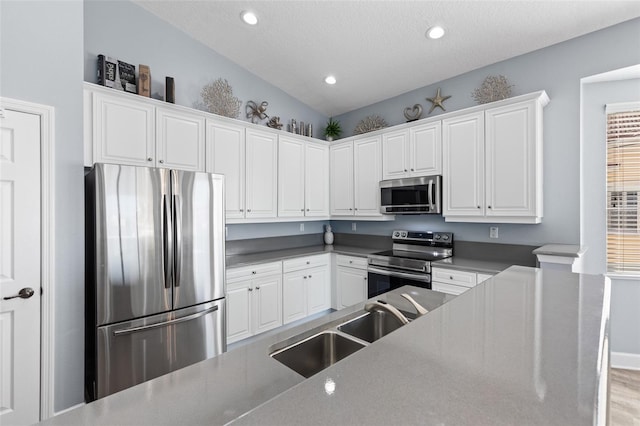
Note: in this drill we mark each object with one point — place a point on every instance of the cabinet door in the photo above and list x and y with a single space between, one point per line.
395 154
180 140
341 179
123 131
238 311
425 151
291 177
511 160
463 165
316 180
262 174
351 285
294 298
318 290
267 298
225 155
367 176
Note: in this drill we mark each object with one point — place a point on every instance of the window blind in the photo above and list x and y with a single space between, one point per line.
623 190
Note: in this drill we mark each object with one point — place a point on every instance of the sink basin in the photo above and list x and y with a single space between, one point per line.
317 352
371 326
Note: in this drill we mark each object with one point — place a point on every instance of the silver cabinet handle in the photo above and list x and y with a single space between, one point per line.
356 209
249 210
350 208
365 278
488 207
257 287
307 209
241 210
305 277
161 161
309 276
450 277
149 159
250 289
24 293
478 206
166 323
351 261
301 210
412 170
405 170
253 272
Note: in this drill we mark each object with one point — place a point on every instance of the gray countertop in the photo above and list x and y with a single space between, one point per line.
525 347
276 255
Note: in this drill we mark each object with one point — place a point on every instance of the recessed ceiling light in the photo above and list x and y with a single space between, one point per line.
435 32
249 17
330 79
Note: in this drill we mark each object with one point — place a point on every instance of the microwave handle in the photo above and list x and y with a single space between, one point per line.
431 195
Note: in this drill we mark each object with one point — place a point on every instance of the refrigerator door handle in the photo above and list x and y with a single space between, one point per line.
166 323
177 227
167 229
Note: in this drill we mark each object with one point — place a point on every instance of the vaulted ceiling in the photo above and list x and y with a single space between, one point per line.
378 49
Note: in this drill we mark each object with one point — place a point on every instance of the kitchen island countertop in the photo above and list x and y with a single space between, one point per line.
528 346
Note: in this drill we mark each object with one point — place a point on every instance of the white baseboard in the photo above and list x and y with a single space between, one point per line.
626 361
57 413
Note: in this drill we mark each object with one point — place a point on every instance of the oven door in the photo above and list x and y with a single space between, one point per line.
382 280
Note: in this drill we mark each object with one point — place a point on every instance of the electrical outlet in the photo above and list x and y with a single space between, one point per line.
302 227
493 232
353 226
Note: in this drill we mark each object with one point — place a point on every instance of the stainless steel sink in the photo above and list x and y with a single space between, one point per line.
317 352
371 326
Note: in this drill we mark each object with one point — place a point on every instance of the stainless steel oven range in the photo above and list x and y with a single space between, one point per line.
409 262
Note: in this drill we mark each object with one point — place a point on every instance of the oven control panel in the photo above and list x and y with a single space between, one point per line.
423 237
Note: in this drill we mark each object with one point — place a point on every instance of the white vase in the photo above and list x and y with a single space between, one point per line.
328 235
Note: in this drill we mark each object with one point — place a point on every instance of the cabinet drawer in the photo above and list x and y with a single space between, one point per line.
352 261
305 262
449 288
449 276
244 272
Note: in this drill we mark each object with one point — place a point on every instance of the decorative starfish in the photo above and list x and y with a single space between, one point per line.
437 101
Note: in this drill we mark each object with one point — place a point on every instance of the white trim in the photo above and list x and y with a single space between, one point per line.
622 107
47 237
617 276
626 361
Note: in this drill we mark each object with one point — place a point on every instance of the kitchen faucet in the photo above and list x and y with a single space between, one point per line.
384 306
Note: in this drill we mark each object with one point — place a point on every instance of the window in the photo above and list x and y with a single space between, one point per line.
623 187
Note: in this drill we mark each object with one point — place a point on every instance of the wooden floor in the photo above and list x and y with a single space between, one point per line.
625 397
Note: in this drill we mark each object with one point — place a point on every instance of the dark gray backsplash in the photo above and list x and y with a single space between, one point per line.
507 253
259 245
514 254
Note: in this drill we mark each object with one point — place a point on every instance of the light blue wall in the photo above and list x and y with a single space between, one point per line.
625 293
41 47
126 31
556 69
264 230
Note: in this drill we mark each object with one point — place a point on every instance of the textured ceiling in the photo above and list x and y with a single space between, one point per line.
377 49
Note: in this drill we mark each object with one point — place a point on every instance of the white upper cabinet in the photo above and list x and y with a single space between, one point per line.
133 131
395 154
316 183
463 153
425 149
492 163
180 140
367 176
123 131
261 174
225 155
416 151
341 181
356 171
303 178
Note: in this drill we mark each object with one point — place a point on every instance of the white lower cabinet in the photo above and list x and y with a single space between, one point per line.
455 282
351 280
254 300
306 287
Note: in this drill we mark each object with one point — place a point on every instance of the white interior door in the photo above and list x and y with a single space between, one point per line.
19 268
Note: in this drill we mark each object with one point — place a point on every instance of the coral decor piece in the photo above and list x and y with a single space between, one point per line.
493 88
274 123
369 124
218 98
437 101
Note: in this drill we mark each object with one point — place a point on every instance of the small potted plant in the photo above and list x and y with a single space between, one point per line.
332 130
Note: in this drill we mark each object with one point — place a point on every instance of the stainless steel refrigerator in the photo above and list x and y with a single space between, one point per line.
154 274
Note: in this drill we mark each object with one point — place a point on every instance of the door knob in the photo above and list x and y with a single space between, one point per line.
24 293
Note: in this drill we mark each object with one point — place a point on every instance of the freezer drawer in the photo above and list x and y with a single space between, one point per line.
132 352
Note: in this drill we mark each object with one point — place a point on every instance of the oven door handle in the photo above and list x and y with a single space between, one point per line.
416 277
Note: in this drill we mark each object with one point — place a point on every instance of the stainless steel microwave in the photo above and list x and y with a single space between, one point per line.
417 195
